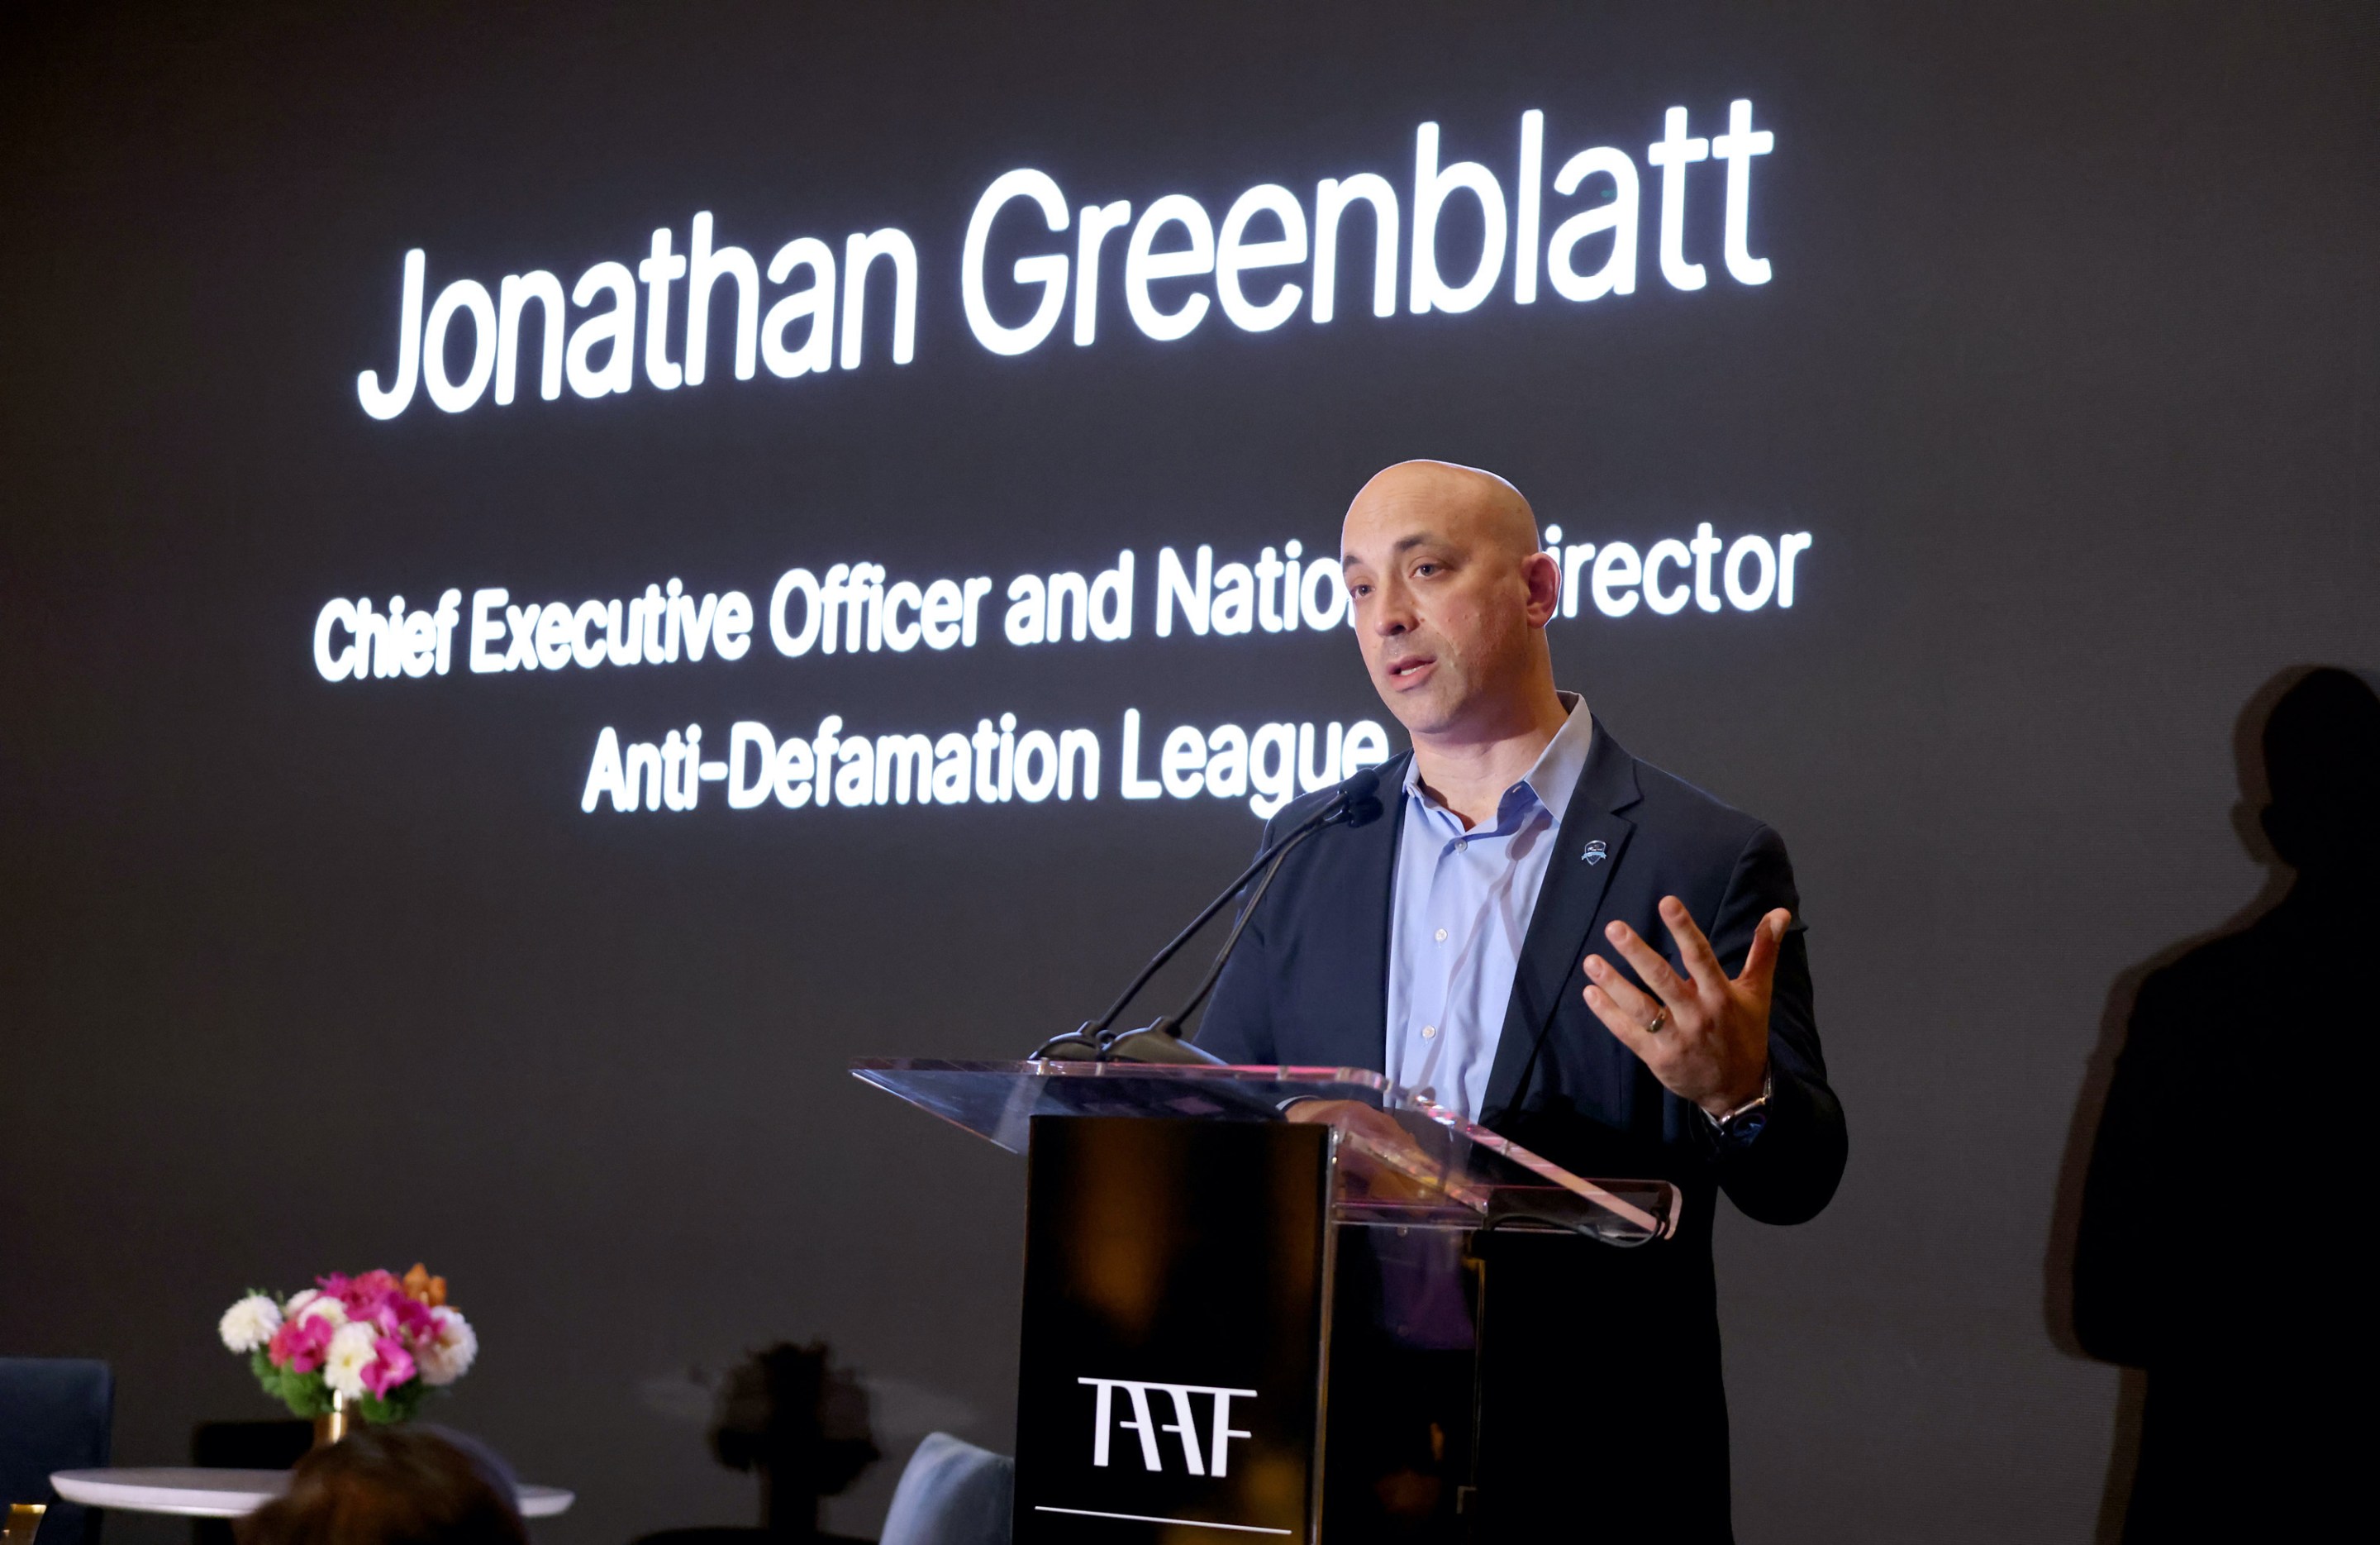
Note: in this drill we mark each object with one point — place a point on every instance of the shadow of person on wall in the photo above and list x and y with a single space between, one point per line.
788 1416
2206 1239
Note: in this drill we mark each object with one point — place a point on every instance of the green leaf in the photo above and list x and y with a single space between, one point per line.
398 1406
305 1394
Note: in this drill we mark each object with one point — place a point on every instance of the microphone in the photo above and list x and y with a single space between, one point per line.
1357 803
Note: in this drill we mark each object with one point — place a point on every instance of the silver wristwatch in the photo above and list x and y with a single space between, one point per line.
1743 1123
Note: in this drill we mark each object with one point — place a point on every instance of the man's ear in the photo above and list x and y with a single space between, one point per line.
1543 572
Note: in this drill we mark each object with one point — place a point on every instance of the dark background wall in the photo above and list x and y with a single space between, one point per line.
2069 365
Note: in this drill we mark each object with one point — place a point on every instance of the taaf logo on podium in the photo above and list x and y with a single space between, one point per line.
1204 1454
1184 1423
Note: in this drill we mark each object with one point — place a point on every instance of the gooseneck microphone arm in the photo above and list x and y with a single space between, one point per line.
1357 802
1271 852
1181 1016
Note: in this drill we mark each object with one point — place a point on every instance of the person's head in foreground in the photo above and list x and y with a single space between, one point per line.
391 1486
1451 595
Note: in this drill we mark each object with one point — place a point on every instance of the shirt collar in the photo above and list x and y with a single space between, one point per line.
1551 779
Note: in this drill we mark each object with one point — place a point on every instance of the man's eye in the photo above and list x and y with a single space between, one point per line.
1424 569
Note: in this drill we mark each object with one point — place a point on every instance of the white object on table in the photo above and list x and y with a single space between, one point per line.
214 1493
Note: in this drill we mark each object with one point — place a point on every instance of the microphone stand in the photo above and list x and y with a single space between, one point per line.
1358 801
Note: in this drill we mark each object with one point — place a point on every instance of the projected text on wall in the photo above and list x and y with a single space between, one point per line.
853 608
1274 254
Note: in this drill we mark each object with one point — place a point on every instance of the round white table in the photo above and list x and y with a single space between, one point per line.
207 1493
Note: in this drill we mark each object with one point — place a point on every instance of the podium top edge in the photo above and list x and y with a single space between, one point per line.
1363 1077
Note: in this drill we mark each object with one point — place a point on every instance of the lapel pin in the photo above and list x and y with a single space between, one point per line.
1596 851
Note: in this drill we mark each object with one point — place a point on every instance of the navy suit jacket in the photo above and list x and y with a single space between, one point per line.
1308 985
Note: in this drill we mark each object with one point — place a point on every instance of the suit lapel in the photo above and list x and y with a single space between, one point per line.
1592 845
1353 914
1372 858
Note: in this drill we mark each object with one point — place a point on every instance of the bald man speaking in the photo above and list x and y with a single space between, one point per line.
1565 944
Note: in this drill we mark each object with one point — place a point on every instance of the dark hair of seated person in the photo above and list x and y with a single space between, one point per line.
391 1486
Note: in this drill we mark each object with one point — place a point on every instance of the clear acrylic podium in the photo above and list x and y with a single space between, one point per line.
1257 1303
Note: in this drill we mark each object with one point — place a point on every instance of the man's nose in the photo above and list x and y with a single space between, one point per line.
1389 612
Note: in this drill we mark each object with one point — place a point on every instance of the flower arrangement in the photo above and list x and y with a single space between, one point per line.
379 1340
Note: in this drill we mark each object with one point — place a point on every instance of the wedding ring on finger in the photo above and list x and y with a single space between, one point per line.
1659 1021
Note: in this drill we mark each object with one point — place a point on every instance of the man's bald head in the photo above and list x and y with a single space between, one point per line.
1452 597
1484 507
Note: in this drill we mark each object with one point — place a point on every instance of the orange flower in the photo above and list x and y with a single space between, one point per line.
423 1288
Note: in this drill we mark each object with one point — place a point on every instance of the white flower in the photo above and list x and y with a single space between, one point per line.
249 1323
311 1304
353 1349
445 1354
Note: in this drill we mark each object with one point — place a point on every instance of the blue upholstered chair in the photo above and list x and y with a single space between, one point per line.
55 1415
952 1493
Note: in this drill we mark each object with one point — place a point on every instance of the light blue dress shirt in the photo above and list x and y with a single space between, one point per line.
1461 908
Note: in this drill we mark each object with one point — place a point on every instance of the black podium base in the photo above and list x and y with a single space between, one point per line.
1205 1355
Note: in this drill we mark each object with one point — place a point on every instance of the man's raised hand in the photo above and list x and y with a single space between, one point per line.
1704 1037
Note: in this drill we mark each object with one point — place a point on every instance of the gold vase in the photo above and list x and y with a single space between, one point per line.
335 1423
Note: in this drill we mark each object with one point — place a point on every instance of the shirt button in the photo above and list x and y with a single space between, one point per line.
1427 1031
1441 936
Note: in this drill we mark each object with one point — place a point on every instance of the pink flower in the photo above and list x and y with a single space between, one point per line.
405 1318
379 1285
361 1295
392 1365
300 1344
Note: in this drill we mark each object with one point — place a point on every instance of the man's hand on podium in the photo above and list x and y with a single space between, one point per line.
1703 1035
